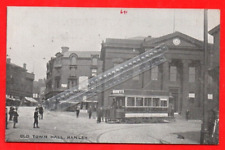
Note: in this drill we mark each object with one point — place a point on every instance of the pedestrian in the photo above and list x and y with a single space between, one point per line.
6 118
187 114
11 111
41 111
15 118
90 112
78 110
36 118
99 115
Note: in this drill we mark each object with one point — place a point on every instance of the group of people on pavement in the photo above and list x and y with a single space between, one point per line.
90 111
13 116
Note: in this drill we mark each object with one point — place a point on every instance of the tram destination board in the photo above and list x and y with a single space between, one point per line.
112 75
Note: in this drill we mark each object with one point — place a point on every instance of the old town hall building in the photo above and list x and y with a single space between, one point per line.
180 76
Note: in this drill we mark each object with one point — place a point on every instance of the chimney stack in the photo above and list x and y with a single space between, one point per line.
8 60
65 49
24 66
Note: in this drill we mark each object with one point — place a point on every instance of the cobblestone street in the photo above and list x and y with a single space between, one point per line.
65 127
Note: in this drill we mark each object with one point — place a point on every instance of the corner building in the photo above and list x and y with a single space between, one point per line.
181 76
69 68
19 82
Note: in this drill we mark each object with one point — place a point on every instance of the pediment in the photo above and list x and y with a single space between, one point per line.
175 40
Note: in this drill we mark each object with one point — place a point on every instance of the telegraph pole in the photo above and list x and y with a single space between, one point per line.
205 80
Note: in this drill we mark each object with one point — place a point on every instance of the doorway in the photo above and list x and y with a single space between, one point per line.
174 99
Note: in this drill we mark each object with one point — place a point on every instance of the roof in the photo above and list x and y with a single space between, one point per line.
81 54
127 43
150 40
215 29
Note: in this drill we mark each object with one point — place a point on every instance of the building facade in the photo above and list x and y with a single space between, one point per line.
69 69
214 63
180 76
19 83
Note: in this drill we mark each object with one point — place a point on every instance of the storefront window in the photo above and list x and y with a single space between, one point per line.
130 101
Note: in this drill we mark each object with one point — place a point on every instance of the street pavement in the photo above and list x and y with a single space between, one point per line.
66 127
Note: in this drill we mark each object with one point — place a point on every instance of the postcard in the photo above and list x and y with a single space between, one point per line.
112 75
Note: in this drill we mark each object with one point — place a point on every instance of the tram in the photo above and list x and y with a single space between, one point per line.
138 106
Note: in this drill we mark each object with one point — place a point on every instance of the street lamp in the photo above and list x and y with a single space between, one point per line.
205 83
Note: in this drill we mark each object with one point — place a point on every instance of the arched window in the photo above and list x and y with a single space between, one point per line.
73 60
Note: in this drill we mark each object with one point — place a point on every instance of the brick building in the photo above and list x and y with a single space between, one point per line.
19 83
214 64
181 76
69 69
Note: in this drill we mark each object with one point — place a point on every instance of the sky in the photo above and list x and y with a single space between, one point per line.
35 34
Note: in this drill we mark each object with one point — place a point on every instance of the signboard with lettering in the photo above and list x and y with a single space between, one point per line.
118 91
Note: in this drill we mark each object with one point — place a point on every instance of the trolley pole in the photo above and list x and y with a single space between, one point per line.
203 137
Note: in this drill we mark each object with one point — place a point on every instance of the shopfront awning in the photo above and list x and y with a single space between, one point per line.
8 98
64 102
30 99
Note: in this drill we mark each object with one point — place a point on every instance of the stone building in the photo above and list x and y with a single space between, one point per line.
180 76
69 69
19 83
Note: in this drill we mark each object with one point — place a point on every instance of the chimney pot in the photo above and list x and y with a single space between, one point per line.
64 49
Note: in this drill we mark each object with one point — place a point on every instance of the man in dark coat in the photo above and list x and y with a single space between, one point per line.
78 111
41 111
99 115
90 112
36 118
11 111
15 118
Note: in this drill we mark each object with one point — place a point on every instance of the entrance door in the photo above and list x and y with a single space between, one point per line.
174 100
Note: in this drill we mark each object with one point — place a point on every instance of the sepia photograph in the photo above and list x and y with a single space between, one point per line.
112 75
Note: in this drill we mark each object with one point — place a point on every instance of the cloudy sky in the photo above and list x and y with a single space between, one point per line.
35 34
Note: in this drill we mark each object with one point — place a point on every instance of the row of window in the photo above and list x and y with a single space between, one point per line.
173 73
73 61
140 101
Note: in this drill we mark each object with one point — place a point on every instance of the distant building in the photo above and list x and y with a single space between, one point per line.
19 83
181 76
69 69
39 89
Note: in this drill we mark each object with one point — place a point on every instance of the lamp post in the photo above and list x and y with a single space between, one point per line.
203 136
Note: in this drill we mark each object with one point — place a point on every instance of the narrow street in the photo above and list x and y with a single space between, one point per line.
65 127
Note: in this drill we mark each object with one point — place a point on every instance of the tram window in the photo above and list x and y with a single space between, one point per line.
164 103
148 102
155 101
130 101
139 101
120 102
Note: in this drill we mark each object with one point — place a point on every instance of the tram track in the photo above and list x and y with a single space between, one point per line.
161 141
